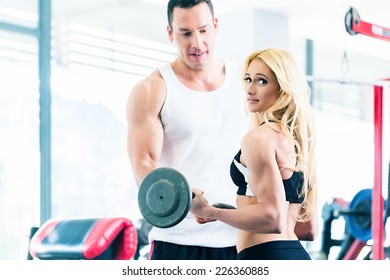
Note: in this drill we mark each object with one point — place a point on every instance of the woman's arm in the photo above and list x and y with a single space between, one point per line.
268 214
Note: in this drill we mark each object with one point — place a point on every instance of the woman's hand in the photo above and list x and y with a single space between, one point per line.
200 207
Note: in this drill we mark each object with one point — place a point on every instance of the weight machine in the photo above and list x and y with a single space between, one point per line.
366 214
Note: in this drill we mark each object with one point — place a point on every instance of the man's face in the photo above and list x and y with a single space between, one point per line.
193 30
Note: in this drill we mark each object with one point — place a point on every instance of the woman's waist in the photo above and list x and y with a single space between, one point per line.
248 239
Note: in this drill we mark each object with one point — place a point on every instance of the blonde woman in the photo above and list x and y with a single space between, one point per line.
275 169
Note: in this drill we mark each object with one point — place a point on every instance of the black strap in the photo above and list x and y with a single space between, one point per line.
269 121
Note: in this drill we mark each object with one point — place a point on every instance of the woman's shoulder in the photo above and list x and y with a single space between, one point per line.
264 133
259 142
264 140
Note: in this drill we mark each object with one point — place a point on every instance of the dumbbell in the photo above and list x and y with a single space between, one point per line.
164 197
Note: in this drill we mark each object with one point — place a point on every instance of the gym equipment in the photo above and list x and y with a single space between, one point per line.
355 25
164 197
358 225
142 234
85 239
331 211
358 217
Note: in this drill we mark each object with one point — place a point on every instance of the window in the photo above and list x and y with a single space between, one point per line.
19 141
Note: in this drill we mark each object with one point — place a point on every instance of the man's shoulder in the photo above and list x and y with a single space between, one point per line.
150 83
153 77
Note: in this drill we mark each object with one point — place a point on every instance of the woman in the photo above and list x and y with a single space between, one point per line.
275 169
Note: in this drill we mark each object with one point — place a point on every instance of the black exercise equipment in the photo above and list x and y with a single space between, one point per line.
33 230
331 211
164 197
142 233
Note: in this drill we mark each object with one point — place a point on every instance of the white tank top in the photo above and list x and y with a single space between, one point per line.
202 133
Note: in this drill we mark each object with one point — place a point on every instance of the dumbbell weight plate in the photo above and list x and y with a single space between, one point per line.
164 197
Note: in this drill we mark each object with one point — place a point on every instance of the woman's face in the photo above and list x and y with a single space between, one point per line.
261 86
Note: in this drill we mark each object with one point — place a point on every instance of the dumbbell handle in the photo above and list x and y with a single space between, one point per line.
219 204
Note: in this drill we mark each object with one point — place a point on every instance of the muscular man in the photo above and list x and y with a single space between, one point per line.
189 115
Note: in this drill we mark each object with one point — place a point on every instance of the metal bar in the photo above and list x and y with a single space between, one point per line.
44 39
383 83
377 225
354 25
354 250
309 65
372 30
18 28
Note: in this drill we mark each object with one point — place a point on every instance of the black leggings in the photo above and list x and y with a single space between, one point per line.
275 250
161 250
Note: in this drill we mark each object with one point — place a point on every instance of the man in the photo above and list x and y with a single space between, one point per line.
189 115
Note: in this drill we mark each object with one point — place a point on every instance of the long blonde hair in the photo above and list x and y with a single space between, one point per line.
294 114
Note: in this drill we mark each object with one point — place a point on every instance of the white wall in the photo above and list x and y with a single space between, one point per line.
244 31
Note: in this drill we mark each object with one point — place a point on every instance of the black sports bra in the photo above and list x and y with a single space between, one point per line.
292 185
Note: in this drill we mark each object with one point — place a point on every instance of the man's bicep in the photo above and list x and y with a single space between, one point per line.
145 130
145 139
